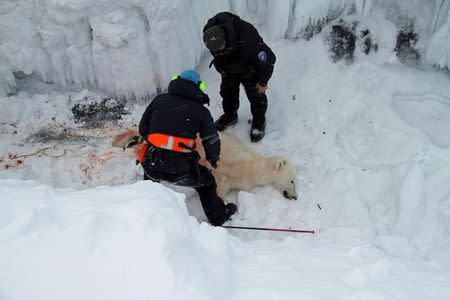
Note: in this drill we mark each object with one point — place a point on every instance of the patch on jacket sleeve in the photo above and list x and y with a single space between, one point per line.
262 56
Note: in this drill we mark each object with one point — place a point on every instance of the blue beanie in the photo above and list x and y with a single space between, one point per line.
190 75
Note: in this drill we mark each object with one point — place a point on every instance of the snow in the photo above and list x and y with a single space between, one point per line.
369 141
130 49
439 52
428 113
139 241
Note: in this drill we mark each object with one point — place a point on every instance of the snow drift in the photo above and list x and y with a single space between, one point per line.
138 241
131 49
369 141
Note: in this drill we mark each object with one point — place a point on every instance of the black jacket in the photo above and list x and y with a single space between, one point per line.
246 55
180 113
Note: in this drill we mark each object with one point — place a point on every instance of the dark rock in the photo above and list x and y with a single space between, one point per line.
404 48
343 39
366 42
341 43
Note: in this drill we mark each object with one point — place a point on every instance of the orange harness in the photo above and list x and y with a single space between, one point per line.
168 142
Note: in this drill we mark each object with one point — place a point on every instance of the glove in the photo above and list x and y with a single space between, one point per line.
214 163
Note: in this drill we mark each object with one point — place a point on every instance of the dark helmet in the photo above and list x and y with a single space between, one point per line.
214 38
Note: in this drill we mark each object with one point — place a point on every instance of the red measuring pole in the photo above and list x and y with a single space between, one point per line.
269 229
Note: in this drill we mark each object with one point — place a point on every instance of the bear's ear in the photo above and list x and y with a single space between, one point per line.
280 164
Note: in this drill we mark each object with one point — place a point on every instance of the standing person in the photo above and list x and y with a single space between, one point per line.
240 56
170 125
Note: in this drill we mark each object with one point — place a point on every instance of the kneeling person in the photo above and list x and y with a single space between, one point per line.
170 125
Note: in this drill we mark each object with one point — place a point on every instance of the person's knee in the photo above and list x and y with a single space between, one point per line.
228 93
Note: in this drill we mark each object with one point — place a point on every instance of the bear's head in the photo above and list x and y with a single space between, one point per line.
284 177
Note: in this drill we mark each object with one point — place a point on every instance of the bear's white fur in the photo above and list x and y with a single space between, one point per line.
241 167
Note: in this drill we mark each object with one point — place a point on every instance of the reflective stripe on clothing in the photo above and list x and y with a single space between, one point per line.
211 139
170 142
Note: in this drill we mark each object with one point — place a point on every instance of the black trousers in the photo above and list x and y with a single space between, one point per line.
229 90
203 181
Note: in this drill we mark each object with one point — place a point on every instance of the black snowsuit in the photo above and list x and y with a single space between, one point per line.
181 113
246 59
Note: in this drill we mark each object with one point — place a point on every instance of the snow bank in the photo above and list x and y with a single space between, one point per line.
132 49
126 49
139 241
439 50
369 142
107 243
306 13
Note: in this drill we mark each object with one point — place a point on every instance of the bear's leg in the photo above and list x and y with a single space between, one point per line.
222 186
223 189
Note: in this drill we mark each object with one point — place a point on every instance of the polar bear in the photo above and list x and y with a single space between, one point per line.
240 167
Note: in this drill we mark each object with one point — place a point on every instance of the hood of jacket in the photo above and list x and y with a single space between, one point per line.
230 24
187 89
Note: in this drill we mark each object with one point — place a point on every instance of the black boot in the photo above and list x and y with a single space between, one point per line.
258 130
226 120
230 209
